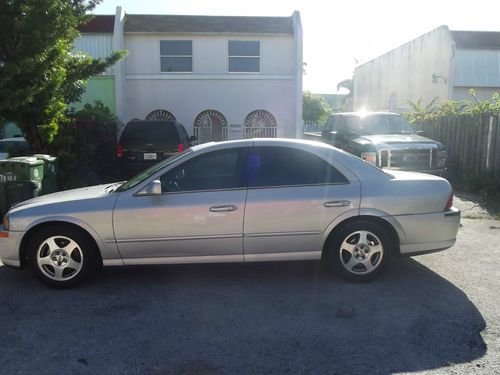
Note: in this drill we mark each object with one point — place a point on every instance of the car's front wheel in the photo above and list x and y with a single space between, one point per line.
360 250
62 257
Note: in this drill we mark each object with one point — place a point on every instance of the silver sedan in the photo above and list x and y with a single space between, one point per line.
237 201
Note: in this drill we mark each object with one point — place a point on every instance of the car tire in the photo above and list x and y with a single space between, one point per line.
62 257
360 251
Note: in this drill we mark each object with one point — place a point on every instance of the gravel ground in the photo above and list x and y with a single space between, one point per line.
434 314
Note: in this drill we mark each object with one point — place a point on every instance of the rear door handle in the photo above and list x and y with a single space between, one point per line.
230 207
337 203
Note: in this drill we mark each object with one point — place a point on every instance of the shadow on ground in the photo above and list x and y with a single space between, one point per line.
237 318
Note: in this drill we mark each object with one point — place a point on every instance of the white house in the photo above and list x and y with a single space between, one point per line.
442 64
222 77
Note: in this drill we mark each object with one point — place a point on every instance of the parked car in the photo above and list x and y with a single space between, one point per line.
236 201
384 139
10 147
145 142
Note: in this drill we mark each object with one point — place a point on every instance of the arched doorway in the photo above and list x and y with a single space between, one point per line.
260 124
210 125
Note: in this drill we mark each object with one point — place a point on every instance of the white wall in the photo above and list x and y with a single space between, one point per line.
209 53
234 98
210 86
405 73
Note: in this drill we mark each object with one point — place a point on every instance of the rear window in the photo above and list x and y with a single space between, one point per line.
155 133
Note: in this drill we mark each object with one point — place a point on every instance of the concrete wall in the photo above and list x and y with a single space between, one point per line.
234 98
211 86
405 73
209 53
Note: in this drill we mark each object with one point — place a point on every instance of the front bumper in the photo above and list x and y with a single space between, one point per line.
9 248
424 233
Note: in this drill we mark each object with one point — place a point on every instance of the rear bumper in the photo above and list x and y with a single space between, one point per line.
426 233
9 248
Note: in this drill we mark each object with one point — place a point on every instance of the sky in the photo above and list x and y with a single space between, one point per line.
338 35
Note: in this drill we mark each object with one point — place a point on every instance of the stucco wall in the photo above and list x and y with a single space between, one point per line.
234 98
405 73
209 53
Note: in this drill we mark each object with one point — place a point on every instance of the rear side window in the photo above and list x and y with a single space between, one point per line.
283 166
156 133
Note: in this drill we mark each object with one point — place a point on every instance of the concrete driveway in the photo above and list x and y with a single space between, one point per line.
435 314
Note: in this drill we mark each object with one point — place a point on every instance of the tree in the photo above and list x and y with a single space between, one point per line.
315 109
347 84
39 73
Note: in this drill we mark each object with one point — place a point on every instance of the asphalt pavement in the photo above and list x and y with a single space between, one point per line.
433 314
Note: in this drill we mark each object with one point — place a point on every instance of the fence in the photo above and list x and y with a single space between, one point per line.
259 132
472 142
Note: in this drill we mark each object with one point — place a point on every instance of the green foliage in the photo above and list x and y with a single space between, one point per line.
445 108
39 72
315 109
347 84
86 146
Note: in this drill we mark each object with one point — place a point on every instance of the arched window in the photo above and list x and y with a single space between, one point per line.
161 114
260 124
210 125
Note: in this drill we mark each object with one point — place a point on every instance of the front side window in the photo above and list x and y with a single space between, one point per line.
283 166
176 56
213 171
243 56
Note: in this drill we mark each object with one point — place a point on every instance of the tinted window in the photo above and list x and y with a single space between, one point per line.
154 133
176 55
244 56
377 124
279 166
215 170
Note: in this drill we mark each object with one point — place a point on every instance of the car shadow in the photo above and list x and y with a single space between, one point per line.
289 317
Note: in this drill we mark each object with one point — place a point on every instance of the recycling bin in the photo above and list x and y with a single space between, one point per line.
50 171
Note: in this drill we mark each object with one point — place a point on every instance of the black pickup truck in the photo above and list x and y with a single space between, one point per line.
384 139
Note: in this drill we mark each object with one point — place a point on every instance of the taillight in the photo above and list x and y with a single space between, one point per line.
119 151
449 204
180 147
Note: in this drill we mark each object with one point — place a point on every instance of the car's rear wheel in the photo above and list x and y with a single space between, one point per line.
62 257
360 251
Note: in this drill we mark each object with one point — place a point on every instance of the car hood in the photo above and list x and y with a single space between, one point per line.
64 196
395 140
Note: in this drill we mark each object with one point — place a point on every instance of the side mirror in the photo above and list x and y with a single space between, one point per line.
153 188
421 133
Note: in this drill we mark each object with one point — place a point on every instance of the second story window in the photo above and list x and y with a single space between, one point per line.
176 56
243 56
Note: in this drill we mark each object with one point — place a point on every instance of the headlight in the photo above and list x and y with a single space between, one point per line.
5 222
370 157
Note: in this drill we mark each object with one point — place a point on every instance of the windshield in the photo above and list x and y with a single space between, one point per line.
136 180
375 124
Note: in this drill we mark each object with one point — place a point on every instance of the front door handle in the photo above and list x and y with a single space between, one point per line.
230 207
337 204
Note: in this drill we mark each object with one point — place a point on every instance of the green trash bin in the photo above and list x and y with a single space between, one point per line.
50 171
23 168
19 191
26 168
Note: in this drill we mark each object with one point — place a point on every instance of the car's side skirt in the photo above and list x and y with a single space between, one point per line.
265 257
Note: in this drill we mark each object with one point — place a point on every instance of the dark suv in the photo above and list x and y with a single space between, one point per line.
144 143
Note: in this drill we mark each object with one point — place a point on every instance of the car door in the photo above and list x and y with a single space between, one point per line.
293 196
198 216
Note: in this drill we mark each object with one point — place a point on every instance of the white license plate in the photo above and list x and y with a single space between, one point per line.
150 156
